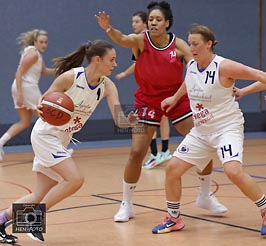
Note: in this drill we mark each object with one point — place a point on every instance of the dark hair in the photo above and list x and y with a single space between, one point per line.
165 8
206 33
75 59
143 16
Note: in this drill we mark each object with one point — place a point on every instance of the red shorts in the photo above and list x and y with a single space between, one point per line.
150 112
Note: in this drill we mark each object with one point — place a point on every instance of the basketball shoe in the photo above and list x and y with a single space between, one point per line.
169 224
210 203
263 227
154 161
5 237
151 163
37 236
165 156
125 212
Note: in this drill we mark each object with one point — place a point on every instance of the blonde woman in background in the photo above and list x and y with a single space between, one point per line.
25 88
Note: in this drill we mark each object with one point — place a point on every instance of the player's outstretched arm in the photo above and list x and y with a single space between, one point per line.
126 41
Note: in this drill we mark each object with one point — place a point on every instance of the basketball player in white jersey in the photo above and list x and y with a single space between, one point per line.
218 125
58 175
25 87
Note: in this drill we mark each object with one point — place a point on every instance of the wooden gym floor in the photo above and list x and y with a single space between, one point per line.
86 218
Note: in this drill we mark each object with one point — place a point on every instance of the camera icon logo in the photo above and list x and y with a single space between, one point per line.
29 218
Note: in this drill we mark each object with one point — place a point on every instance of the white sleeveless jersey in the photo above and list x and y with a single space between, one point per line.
85 99
34 72
213 106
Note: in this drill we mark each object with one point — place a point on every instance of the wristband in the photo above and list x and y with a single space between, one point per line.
108 29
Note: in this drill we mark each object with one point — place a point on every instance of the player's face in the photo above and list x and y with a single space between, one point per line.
198 46
108 62
138 25
41 43
157 24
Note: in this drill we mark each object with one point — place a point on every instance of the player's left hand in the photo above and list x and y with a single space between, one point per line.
168 103
237 93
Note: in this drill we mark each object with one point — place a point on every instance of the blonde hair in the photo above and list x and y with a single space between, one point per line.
27 38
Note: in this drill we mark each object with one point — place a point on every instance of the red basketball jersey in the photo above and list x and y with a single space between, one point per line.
159 71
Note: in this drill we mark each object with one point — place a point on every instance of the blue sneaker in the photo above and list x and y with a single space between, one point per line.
169 224
263 227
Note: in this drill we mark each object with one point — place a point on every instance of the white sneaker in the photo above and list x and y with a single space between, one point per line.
125 212
1 153
210 203
151 163
164 156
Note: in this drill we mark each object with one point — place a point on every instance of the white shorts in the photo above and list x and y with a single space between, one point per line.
31 95
199 149
49 150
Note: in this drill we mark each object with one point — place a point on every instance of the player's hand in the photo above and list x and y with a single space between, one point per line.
20 100
133 118
168 103
103 20
39 108
237 93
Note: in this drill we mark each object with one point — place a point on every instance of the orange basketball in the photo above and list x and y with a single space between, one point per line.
57 108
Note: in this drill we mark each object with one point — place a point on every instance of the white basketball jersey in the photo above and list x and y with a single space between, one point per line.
213 106
33 74
85 98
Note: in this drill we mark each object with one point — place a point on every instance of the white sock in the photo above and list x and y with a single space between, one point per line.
4 139
205 184
173 208
128 190
261 203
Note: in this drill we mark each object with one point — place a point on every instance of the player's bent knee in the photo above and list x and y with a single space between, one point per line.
234 175
76 182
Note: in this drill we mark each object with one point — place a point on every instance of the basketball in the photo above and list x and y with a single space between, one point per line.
57 108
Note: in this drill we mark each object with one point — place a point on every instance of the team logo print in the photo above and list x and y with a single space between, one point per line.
59 100
183 149
172 54
59 155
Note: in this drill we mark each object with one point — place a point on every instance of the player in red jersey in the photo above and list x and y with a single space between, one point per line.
159 73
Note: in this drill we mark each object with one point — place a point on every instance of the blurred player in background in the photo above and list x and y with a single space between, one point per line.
25 88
